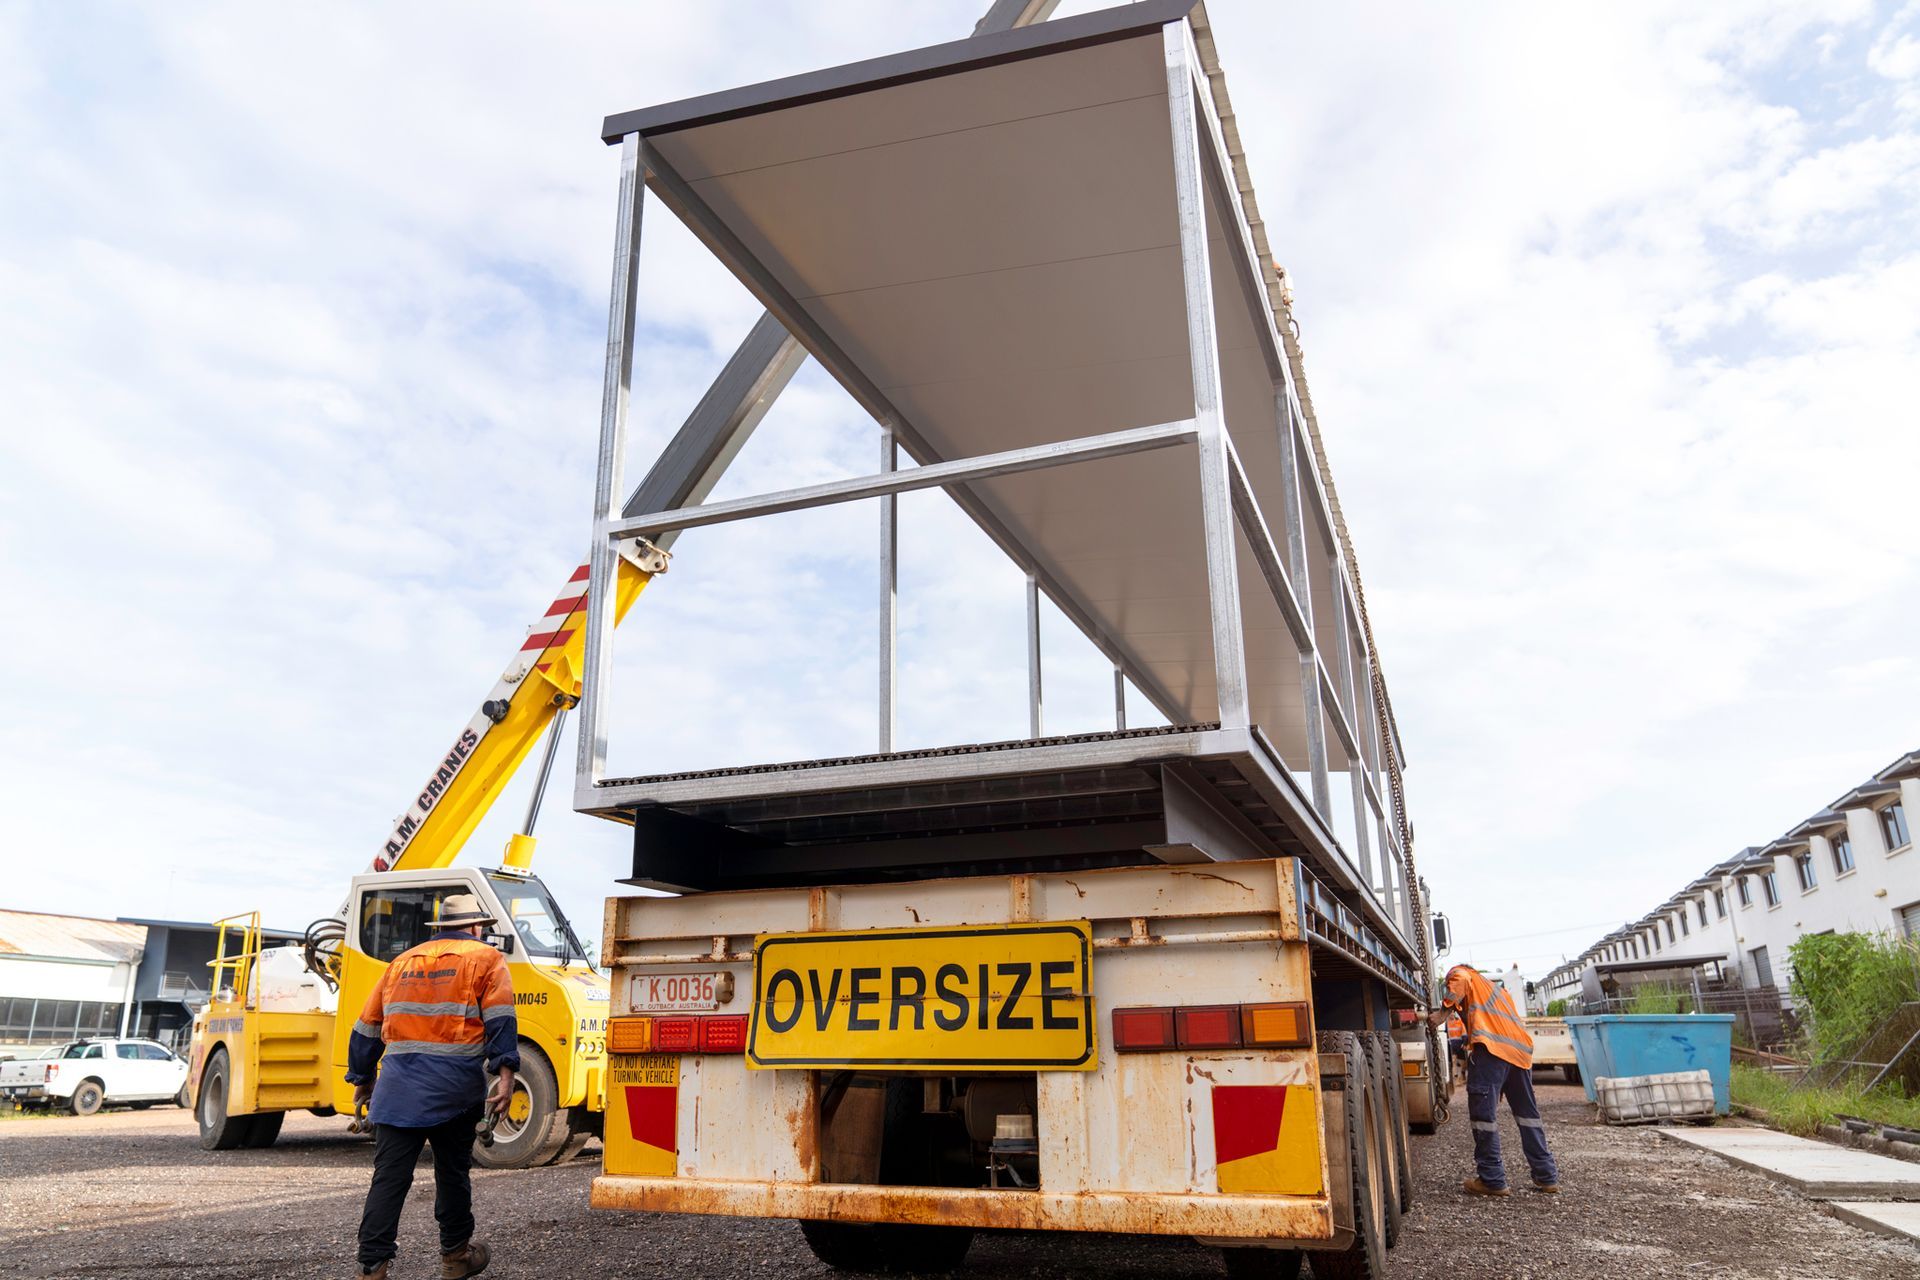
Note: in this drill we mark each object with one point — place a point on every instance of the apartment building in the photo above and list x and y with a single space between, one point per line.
1848 868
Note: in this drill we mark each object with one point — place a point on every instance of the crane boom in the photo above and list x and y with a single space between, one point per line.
541 681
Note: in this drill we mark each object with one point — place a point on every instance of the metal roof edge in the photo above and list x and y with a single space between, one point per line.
1036 40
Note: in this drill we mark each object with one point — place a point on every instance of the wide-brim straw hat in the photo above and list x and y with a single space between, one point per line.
459 910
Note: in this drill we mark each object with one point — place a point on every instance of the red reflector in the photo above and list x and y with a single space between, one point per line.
676 1035
1138 1029
726 1034
1215 1027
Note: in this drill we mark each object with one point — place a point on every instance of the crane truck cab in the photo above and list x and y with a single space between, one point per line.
269 1043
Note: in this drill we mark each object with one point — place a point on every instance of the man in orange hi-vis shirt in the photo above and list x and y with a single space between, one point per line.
438 1021
1500 1062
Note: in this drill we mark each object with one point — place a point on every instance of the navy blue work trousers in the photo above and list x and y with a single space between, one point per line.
1488 1079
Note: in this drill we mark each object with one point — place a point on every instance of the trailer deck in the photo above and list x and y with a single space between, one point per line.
1065 312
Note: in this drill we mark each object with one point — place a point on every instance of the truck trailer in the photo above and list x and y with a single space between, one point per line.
1149 979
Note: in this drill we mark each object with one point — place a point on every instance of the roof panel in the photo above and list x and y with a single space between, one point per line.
992 242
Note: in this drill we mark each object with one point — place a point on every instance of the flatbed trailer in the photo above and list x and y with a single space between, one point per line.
1138 979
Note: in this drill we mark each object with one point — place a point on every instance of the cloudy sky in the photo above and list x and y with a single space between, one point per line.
1612 315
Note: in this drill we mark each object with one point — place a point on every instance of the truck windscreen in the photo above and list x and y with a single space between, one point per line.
536 917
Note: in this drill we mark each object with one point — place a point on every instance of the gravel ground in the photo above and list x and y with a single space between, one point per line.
132 1193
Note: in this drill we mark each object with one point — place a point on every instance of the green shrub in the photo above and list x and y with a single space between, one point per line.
1802 1111
1556 1008
1847 984
1657 997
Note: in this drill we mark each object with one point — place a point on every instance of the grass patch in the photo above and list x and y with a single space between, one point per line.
1802 1111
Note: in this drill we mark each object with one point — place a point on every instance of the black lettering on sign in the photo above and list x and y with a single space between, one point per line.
823 1006
528 997
1019 973
986 997
775 1021
951 995
912 1000
859 997
1051 994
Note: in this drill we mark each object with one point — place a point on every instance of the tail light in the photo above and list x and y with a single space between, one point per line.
680 1033
1224 1026
630 1035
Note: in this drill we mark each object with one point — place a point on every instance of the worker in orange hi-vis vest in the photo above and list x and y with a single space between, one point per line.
1500 1062
438 1021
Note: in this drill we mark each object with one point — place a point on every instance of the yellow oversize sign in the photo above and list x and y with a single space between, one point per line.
996 998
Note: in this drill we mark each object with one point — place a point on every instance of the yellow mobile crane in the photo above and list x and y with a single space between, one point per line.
274 1037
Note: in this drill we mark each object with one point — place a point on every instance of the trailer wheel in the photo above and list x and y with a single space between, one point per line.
1392 1164
265 1129
534 1129
1571 1070
1366 1257
888 1246
184 1098
1263 1264
219 1130
88 1098
1397 1118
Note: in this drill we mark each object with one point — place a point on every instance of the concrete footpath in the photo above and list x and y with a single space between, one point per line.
1817 1169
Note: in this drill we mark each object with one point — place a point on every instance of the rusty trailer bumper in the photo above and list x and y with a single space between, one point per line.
1248 1217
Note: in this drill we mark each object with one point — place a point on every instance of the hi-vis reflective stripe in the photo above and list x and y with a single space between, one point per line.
1491 1035
494 1012
367 1029
433 1008
437 1048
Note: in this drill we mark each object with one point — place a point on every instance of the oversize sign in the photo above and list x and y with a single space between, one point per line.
993 998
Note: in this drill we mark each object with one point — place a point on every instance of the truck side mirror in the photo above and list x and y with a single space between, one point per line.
1442 935
501 942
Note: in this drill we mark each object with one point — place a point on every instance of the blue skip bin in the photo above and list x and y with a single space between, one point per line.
1645 1044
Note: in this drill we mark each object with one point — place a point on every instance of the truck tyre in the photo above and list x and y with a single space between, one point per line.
88 1098
219 1131
1391 1165
1397 1119
888 1246
265 1129
1366 1257
184 1098
1263 1264
1571 1070
534 1129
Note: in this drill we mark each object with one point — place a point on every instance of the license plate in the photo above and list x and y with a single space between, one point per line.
673 992
995 998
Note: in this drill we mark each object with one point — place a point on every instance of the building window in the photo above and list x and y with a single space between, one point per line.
1893 825
1842 853
1720 902
1908 918
1803 870
1700 905
1770 883
1746 894
1684 930
1762 967
1670 937
1655 935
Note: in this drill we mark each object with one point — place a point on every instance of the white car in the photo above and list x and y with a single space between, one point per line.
89 1074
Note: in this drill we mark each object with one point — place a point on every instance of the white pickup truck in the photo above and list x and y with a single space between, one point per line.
87 1075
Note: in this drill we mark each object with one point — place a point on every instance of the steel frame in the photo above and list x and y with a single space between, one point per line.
771 353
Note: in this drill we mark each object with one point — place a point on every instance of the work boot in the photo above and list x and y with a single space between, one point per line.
378 1273
1475 1187
1551 1188
470 1259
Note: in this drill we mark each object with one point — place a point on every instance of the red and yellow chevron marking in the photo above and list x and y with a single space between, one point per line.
1266 1138
643 1106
